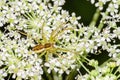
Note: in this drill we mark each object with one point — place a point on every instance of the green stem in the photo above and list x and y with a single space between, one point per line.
105 62
116 72
84 67
95 18
118 77
100 26
54 75
72 75
93 22
47 74
60 77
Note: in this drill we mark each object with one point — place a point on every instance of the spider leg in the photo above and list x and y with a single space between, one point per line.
63 50
46 56
43 35
23 33
62 31
59 33
55 50
42 53
54 32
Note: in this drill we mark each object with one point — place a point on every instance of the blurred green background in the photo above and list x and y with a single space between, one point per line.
82 8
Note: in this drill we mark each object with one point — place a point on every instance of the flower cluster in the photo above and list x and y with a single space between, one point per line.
28 22
101 73
39 39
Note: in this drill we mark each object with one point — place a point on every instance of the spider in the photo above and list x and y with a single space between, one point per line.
48 46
